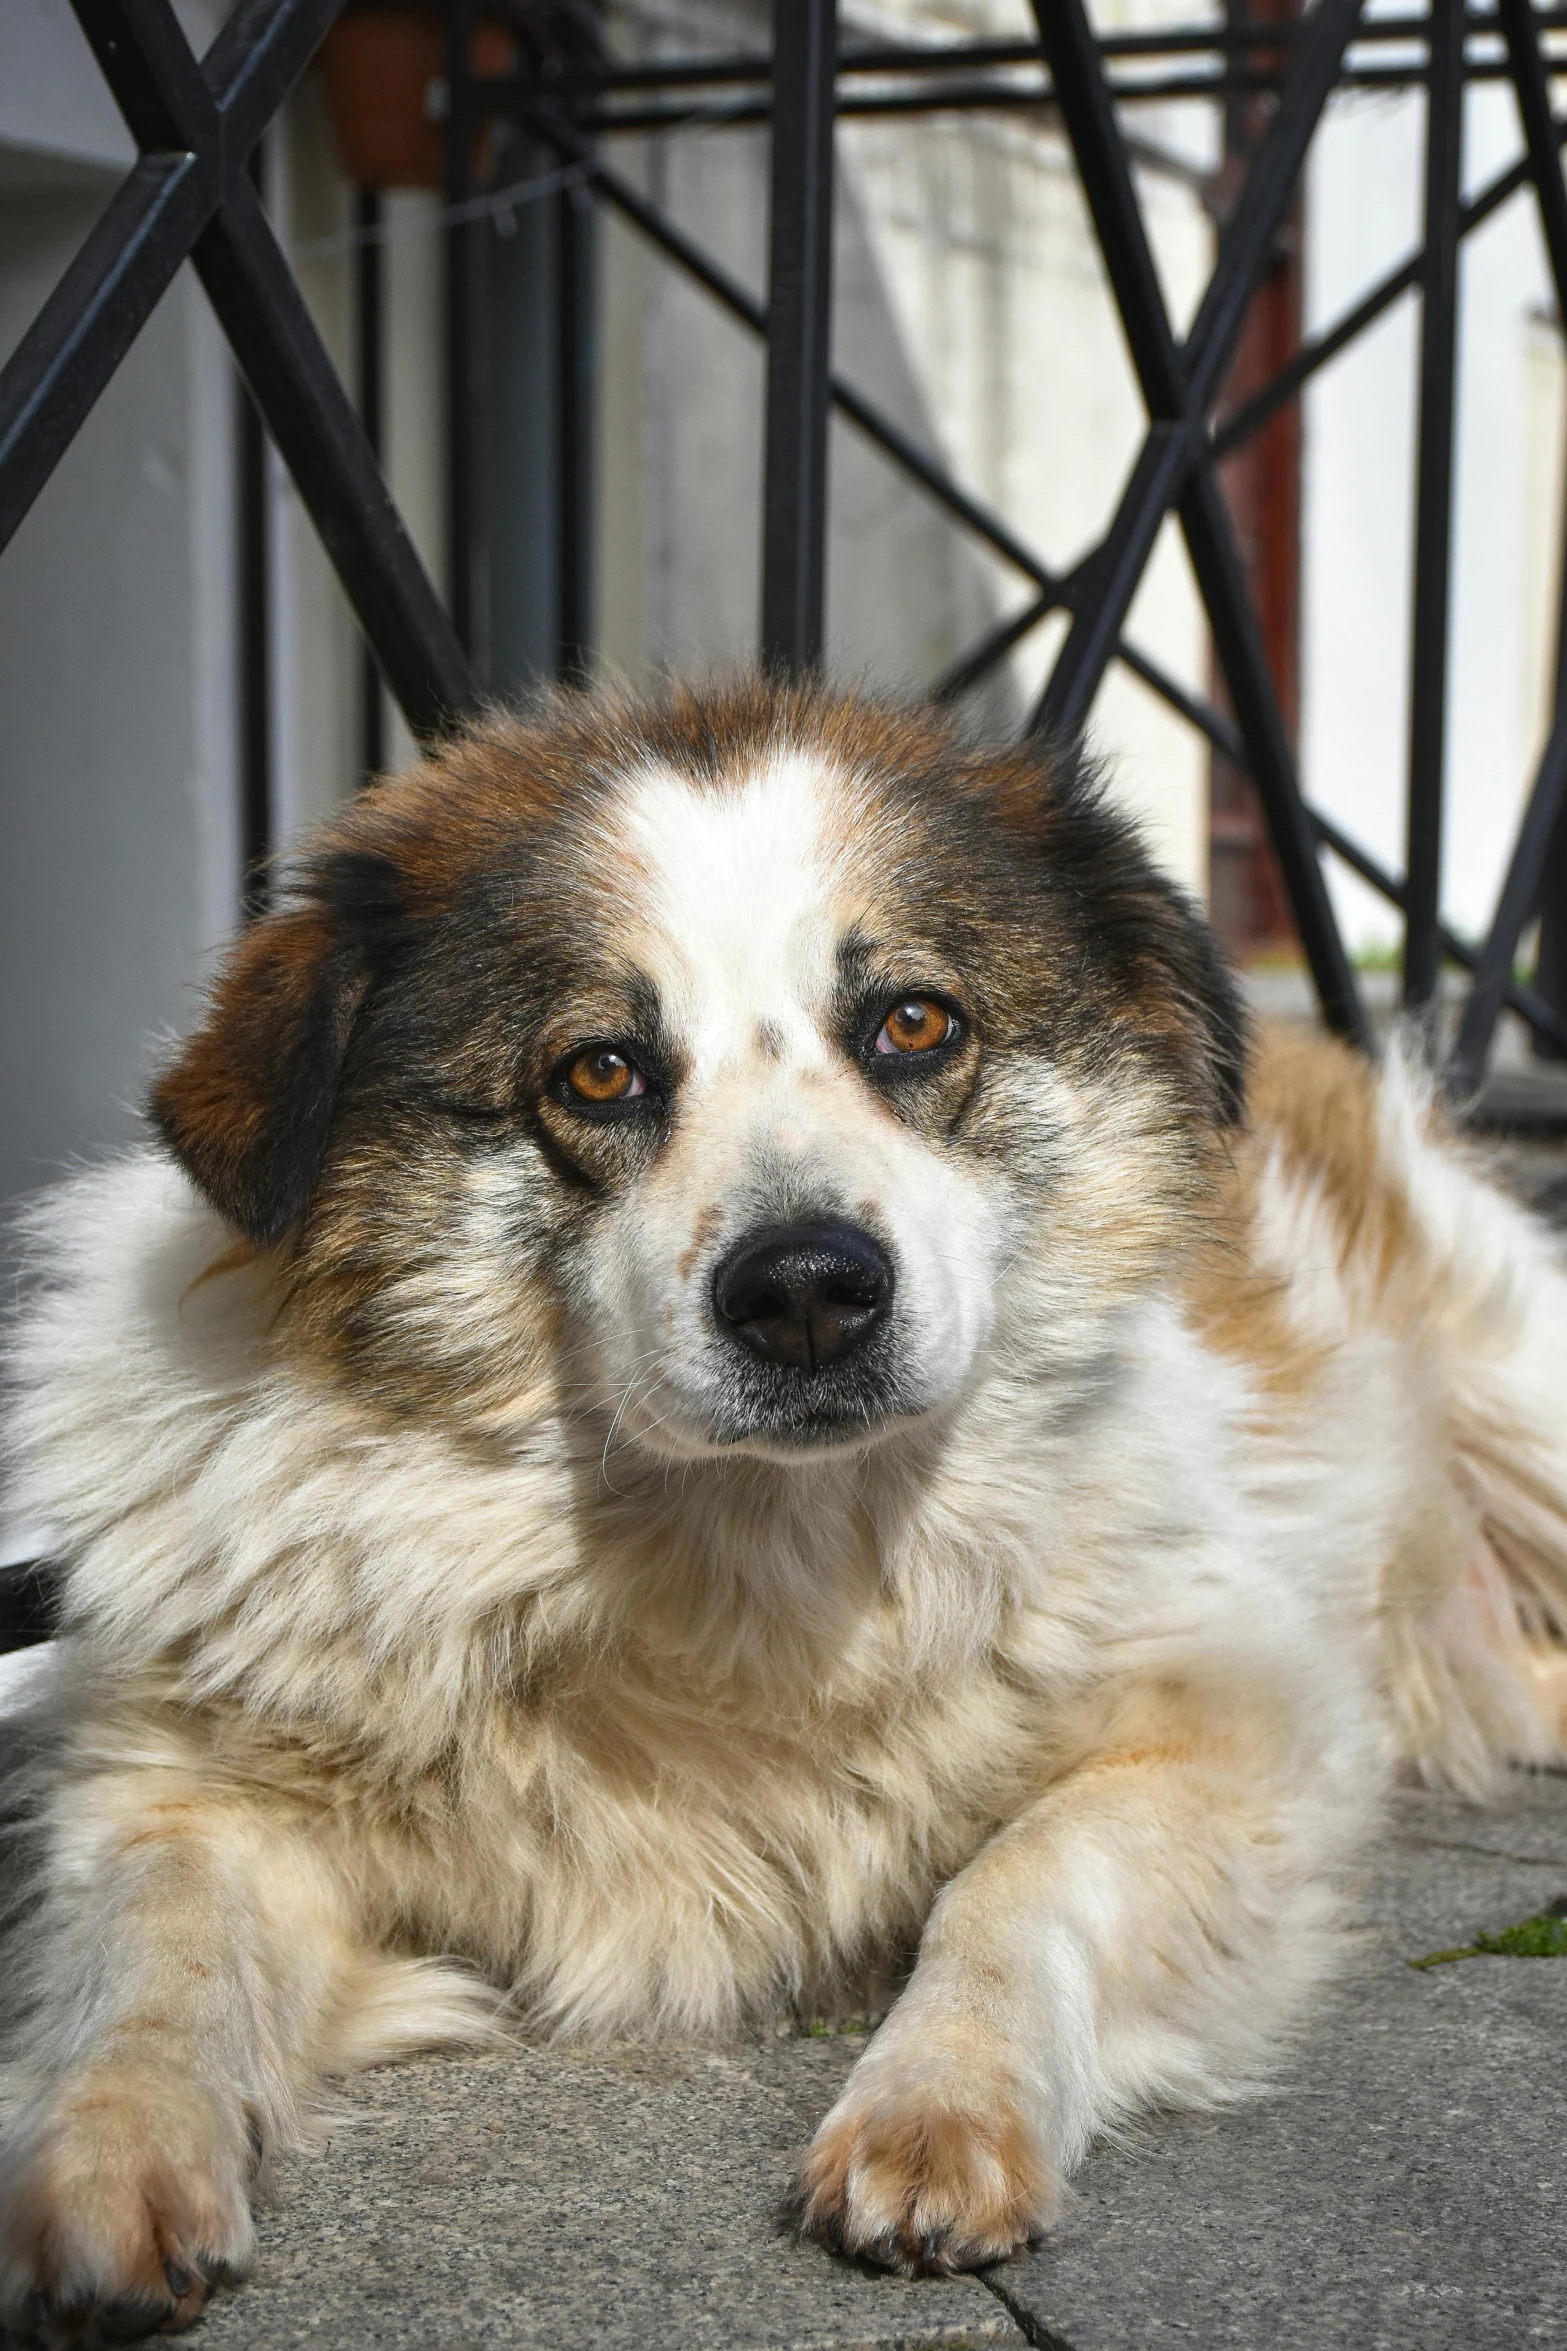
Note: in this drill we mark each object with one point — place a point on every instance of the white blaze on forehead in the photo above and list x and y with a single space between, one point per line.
739 886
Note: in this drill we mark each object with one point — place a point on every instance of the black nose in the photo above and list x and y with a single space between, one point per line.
805 1294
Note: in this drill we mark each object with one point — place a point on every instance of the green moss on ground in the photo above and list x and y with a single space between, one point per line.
1542 1937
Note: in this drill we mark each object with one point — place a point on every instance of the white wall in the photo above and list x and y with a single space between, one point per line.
984 247
1364 216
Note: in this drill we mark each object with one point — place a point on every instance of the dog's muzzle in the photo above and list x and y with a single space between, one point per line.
805 1296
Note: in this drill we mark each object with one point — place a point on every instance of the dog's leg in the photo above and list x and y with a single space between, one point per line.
1130 1939
195 1968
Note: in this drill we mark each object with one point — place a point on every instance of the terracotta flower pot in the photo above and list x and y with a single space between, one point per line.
385 76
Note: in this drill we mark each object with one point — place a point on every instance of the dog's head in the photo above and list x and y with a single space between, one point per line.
750 1069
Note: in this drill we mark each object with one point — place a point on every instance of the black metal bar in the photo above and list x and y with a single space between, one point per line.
1056 588
1224 737
955 97
912 460
1068 45
462 371
679 73
576 341
254 612
369 338
1182 393
1220 38
255 657
158 86
323 444
993 647
1543 136
1433 504
1111 578
256 58
1198 712
1545 1019
1494 963
1550 968
799 334
90 320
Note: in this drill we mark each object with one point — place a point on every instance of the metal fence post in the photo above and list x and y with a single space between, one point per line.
799 333
1434 503
462 338
369 306
576 373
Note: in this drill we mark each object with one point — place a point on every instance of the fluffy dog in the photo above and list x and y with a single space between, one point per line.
715 1379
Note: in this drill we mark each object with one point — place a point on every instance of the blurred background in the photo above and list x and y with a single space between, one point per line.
183 685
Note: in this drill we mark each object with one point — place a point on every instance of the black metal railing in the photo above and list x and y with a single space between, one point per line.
192 193
190 196
1088 84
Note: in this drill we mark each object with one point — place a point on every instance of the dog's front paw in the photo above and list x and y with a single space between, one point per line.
124 2199
926 2168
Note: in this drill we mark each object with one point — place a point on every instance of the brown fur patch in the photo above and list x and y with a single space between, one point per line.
1316 1101
1240 1308
247 1105
1313 1101
706 1225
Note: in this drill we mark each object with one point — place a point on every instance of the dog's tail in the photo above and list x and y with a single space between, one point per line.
1480 1288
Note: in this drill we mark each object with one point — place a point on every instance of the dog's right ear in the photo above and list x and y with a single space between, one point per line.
247 1105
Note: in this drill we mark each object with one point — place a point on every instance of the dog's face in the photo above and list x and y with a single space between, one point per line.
744 1072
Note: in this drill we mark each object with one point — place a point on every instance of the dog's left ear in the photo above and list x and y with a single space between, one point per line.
247 1105
1153 945
1180 941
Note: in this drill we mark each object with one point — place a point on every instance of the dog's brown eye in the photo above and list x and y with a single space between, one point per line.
602 1075
915 1025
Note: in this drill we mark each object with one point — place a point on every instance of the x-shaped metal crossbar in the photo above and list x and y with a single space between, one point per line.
1179 384
190 195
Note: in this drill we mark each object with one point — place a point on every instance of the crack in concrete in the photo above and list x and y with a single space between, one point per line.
1032 2329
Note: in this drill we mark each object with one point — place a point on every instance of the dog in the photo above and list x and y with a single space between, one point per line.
718 1378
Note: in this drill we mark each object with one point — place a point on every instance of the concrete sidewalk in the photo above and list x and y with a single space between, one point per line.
1405 2189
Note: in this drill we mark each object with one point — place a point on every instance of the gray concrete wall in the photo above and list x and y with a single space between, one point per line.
118 802
120 835
682 420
